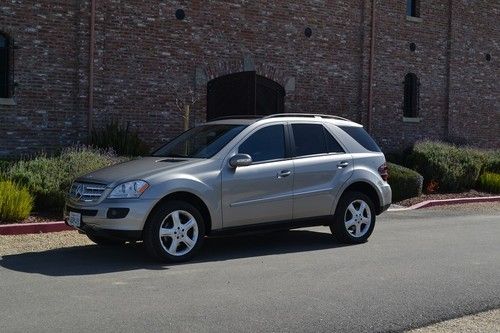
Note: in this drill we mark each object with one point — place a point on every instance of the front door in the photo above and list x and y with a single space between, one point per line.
261 192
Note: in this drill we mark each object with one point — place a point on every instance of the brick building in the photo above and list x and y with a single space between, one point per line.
407 70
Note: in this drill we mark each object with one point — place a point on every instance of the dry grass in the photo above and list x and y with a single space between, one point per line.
41 242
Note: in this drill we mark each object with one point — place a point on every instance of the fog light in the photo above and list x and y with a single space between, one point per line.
117 213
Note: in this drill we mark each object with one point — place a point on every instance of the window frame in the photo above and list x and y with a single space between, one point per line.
286 140
325 132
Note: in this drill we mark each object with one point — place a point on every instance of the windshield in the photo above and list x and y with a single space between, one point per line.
200 142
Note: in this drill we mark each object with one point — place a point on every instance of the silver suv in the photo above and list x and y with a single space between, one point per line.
231 175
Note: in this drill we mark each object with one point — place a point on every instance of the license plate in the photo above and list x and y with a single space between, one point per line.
74 219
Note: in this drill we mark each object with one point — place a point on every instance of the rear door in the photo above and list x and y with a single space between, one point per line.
321 167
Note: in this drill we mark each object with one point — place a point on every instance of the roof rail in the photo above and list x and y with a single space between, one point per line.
310 115
240 116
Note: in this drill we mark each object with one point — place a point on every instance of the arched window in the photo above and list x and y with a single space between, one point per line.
412 96
4 66
413 8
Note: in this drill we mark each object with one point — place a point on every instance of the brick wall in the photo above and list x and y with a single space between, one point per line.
143 54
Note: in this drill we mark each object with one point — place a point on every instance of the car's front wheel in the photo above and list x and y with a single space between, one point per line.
354 218
174 232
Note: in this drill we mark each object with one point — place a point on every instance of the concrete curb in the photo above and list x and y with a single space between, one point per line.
443 202
33 228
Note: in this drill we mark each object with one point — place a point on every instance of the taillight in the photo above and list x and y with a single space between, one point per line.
383 170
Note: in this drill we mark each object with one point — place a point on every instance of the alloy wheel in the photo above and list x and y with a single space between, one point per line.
357 218
178 233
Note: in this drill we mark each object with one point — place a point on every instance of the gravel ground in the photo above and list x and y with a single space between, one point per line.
439 196
41 242
485 322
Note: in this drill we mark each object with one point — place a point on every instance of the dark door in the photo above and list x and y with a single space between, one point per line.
244 93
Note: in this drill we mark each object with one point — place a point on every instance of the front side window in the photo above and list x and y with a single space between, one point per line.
200 142
412 8
4 66
411 96
266 144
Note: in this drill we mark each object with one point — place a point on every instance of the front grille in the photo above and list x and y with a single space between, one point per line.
86 192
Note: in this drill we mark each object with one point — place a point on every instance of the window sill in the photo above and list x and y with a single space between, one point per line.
7 101
412 119
414 19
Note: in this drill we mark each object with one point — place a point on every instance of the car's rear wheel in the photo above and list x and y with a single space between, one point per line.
174 232
104 241
354 218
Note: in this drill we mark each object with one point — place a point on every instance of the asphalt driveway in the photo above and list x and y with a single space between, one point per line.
418 267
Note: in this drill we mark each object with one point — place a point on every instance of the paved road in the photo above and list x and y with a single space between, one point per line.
418 267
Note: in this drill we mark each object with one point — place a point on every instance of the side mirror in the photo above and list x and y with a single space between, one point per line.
240 160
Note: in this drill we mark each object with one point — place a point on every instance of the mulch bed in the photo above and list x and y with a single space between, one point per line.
440 196
38 218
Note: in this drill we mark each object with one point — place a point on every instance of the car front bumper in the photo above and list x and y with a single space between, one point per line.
100 217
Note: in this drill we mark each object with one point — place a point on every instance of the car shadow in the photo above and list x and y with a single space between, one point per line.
93 259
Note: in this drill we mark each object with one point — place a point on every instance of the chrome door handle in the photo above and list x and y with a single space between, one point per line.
284 173
342 164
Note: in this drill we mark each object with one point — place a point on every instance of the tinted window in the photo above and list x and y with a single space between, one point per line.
332 144
363 138
265 144
309 139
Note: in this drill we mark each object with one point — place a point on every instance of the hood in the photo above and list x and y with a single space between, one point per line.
135 169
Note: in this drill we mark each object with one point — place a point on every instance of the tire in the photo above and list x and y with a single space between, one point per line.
104 241
354 218
183 231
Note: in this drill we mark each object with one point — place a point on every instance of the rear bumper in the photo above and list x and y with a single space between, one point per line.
386 197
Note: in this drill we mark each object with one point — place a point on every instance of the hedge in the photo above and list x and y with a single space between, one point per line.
405 183
48 178
446 167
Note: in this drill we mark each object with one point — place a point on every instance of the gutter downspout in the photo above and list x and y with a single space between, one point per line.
448 71
91 68
370 73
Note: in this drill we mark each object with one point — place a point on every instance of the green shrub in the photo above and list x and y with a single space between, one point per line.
489 182
492 162
48 178
123 141
448 167
405 183
15 202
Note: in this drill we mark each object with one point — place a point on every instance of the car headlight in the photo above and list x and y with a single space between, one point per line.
132 189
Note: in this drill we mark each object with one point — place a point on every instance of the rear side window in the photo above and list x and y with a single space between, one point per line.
309 139
332 144
313 139
266 144
359 134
